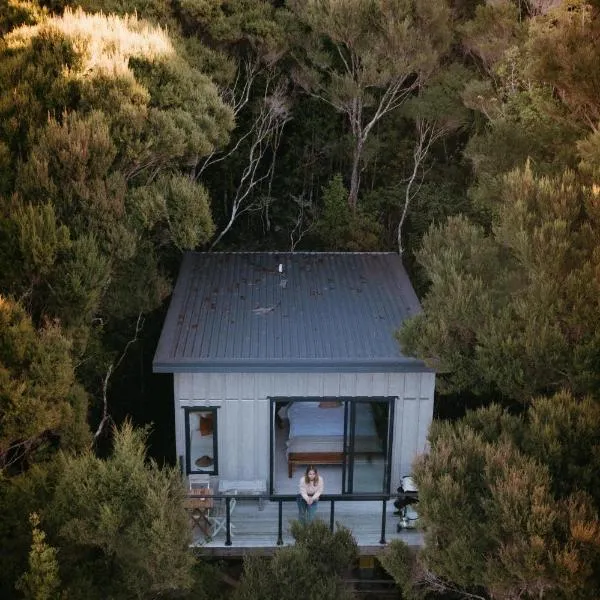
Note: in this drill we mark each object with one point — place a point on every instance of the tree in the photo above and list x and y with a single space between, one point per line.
249 33
365 58
563 49
122 528
41 582
339 229
101 118
314 565
402 564
523 117
498 520
40 401
436 110
510 312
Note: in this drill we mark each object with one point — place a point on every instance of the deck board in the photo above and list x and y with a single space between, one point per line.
256 529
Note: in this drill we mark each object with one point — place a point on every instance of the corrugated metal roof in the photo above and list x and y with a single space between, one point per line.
322 312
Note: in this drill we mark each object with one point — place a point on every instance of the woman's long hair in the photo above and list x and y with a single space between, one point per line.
308 470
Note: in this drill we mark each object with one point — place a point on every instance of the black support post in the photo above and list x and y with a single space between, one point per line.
228 521
332 516
383 517
280 525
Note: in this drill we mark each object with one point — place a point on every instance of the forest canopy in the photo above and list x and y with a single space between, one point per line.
463 134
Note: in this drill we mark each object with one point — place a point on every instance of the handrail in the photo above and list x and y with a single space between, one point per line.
280 499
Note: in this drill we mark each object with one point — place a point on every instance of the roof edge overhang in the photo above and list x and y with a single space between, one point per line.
405 365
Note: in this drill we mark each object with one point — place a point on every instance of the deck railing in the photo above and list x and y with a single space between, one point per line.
281 499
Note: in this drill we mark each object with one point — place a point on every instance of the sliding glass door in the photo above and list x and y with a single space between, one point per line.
348 439
367 445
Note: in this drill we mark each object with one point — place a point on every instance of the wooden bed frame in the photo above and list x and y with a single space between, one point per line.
320 458
313 458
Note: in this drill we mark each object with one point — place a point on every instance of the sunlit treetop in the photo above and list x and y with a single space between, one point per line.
103 43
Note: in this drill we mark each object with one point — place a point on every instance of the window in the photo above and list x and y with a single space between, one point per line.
348 438
201 440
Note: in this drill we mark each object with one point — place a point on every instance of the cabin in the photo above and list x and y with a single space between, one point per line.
281 360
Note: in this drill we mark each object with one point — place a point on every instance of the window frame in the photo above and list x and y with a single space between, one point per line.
390 401
188 410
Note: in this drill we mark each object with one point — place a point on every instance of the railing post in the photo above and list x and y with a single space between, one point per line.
383 517
280 525
332 516
228 521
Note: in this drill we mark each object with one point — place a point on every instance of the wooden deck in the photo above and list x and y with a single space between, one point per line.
256 530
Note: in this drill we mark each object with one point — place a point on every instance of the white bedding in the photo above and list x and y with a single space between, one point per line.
309 419
316 429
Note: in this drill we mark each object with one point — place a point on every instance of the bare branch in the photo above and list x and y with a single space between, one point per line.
303 223
106 418
237 98
427 134
267 128
15 452
429 581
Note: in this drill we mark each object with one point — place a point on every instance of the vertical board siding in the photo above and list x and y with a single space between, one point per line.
347 384
243 418
409 437
216 386
233 386
364 385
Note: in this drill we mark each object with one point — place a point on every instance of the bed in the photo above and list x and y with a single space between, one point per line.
317 433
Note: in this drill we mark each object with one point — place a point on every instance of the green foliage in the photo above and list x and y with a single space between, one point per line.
529 124
15 13
121 522
494 29
41 238
80 281
20 496
509 312
498 515
37 382
314 565
41 582
157 11
564 433
563 52
401 563
251 25
332 553
530 111
341 229
186 118
188 212
101 117
365 58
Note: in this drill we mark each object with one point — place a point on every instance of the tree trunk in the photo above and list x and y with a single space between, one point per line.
355 177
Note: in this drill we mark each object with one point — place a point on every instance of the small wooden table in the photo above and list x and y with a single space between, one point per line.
198 502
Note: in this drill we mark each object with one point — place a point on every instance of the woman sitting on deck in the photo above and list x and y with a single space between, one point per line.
311 488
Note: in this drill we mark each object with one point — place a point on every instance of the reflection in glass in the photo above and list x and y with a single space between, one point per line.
368 446
202 427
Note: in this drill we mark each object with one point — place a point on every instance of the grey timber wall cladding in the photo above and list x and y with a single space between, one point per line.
244 419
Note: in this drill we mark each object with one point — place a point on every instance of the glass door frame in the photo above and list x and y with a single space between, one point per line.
350 439
349 403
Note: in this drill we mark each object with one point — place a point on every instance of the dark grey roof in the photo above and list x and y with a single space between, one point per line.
323 312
